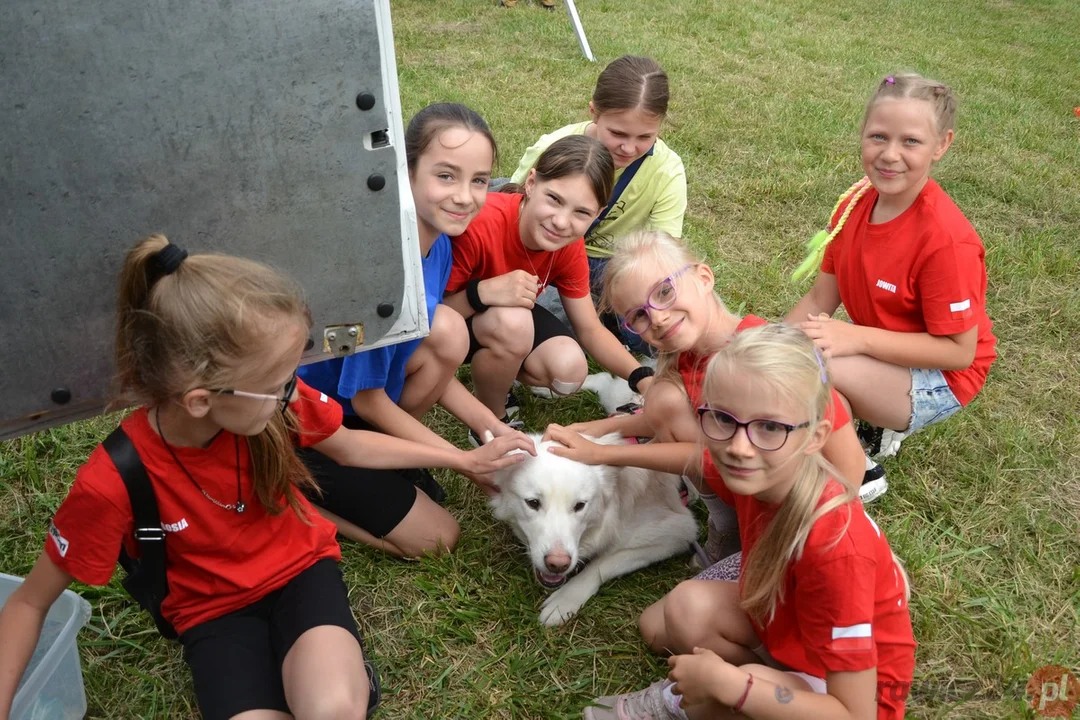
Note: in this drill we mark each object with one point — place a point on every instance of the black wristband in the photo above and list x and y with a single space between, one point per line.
472 294
638 375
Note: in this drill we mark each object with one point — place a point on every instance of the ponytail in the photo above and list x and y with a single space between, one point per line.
187 322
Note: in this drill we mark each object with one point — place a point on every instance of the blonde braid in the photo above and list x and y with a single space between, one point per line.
822 238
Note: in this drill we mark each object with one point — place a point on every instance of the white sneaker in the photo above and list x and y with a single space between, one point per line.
874 484
889 444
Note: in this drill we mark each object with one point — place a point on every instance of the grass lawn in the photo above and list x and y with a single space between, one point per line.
767 96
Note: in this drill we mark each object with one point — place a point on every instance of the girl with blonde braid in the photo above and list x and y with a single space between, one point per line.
909 269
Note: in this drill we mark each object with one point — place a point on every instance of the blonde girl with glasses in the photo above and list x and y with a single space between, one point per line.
818 624
667 296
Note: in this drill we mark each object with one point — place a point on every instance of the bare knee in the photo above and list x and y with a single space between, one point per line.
343 701
690 615
449 338
560 364
652 627
428 529
506 330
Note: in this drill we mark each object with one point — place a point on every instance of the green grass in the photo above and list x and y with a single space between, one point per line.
767 97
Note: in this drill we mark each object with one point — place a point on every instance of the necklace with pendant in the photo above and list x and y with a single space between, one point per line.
239 505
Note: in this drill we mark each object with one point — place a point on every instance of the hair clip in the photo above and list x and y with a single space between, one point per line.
821 366
890 80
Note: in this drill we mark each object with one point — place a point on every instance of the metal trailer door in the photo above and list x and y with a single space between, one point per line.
264 128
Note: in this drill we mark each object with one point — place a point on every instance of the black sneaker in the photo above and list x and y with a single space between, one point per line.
873 484
513 405
476 442
424 480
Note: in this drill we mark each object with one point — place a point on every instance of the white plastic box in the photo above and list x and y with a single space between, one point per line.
52 686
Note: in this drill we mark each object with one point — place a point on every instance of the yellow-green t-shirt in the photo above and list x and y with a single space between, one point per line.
654 200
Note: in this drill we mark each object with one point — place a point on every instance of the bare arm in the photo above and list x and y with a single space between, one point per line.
704 678
678 458
823 297
360 448
851 696
21 621
514 289
836 338
845 452
463 405
625 425
597 340
376 407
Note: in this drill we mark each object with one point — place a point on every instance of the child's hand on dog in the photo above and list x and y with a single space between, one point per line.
496 454
577 447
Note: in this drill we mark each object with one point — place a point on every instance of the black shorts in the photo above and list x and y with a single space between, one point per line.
236 659
545 327
374 500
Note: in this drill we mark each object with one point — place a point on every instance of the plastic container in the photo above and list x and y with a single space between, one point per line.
52 686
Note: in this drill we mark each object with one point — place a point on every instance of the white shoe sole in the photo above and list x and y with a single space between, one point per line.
871 491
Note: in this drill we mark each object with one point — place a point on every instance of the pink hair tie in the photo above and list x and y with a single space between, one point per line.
890 80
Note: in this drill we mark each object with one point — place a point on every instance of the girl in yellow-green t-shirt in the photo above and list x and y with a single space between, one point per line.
627 108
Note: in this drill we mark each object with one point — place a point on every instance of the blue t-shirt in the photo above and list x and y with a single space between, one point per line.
384 367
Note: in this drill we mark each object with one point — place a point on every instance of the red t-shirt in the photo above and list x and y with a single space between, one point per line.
492 246
843 607
217 560
921 272
692 369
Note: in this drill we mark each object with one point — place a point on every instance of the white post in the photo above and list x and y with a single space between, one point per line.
579 30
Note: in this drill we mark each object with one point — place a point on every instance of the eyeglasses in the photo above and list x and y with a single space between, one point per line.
661 297
289 389
765 435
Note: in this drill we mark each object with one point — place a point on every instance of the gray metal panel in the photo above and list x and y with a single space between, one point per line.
228 126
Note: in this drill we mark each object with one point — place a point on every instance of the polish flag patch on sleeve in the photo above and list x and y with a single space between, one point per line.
853 637
960 310
322 397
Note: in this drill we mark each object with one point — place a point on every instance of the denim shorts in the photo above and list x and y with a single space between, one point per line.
932 399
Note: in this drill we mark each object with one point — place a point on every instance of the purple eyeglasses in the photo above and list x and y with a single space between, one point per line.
661 297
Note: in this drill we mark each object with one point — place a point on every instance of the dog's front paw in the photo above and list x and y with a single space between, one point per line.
563 604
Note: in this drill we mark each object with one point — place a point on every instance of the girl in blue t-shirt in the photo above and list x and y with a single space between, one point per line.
450 152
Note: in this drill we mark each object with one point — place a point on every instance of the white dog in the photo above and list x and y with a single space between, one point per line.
616 520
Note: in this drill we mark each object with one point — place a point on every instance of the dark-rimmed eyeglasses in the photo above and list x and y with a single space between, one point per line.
763 434
661 297
283 400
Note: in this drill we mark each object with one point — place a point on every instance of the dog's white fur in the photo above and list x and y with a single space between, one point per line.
625 519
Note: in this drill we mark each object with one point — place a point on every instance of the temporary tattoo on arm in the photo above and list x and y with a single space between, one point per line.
784 695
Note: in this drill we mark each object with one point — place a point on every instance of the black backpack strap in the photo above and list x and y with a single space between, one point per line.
144 507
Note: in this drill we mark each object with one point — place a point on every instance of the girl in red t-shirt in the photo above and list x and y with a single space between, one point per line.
818 624
524 239
909 269
667 296
209 346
